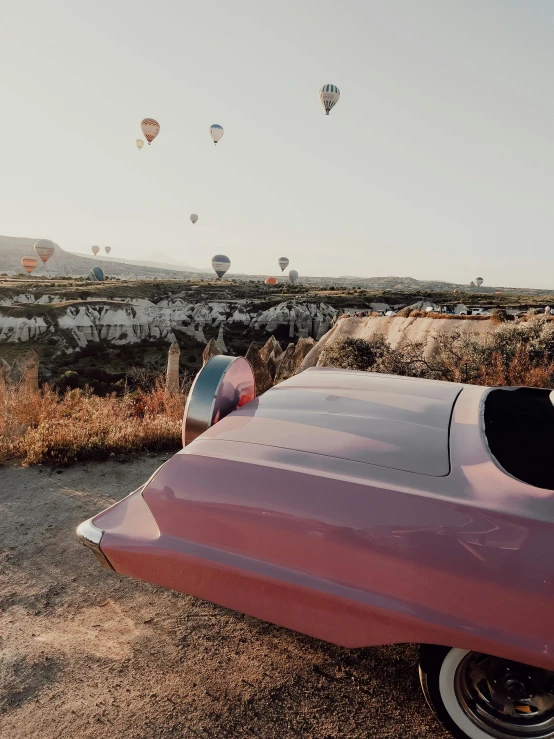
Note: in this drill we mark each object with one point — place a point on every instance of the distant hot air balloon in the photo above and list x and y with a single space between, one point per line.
96 274
271 281
329 96
216 132
193 217
220 264
107 249
293 276
29 264
283 263
150 129
139 143
478 281
95 250
44 248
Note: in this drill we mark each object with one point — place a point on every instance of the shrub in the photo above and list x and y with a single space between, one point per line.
50 427
515 354
499 315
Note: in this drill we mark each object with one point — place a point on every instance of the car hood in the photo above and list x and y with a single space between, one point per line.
385 420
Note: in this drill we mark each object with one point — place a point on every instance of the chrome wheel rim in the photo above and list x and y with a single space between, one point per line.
506 699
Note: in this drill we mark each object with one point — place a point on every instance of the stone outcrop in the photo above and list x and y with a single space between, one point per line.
397 329
261 373
271 347
137 320
24 370
286 366
303 348
211 350
172 375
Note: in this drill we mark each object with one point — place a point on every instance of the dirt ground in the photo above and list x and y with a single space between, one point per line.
87 653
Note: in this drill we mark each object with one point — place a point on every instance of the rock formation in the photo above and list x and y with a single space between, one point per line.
261 373
24 370
286 366
141 319
303 348
271 347
211 350
172 375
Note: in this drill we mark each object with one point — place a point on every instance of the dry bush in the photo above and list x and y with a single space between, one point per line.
515 354
499 315
49 428
404 312
418 314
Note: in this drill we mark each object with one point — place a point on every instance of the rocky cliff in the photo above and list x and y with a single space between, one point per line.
75 324
397 329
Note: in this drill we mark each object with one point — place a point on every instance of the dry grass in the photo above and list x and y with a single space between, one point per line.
48 428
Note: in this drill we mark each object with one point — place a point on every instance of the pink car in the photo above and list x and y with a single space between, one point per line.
367 509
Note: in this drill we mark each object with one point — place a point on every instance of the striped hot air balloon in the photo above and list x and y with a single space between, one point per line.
216 132
220 264
95 250
29 264
271 281
44 248
96 274
329 96
150 129
283 263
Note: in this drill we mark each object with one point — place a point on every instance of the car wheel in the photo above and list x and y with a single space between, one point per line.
476 696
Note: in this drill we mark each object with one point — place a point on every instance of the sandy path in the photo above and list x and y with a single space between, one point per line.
88 653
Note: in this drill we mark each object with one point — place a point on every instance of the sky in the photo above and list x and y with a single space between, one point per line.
437 162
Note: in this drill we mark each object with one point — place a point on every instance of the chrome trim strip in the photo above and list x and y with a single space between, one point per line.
91 536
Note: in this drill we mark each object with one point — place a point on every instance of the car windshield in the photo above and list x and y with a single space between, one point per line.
519 425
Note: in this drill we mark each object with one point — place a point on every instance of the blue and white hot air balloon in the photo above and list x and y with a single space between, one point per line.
216 132
329 96
220 264
96 274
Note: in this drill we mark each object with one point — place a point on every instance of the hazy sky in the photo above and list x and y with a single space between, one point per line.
438 161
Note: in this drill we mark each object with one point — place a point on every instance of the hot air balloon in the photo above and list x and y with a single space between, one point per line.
329 96
193 217
139 143
271 281
150 129
216 132
44 248
283 263
220 264
96 274
29 264
478 281
293 276
95 250
107 249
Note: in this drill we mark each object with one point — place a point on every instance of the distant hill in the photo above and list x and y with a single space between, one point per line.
156 263
13 248
66 263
